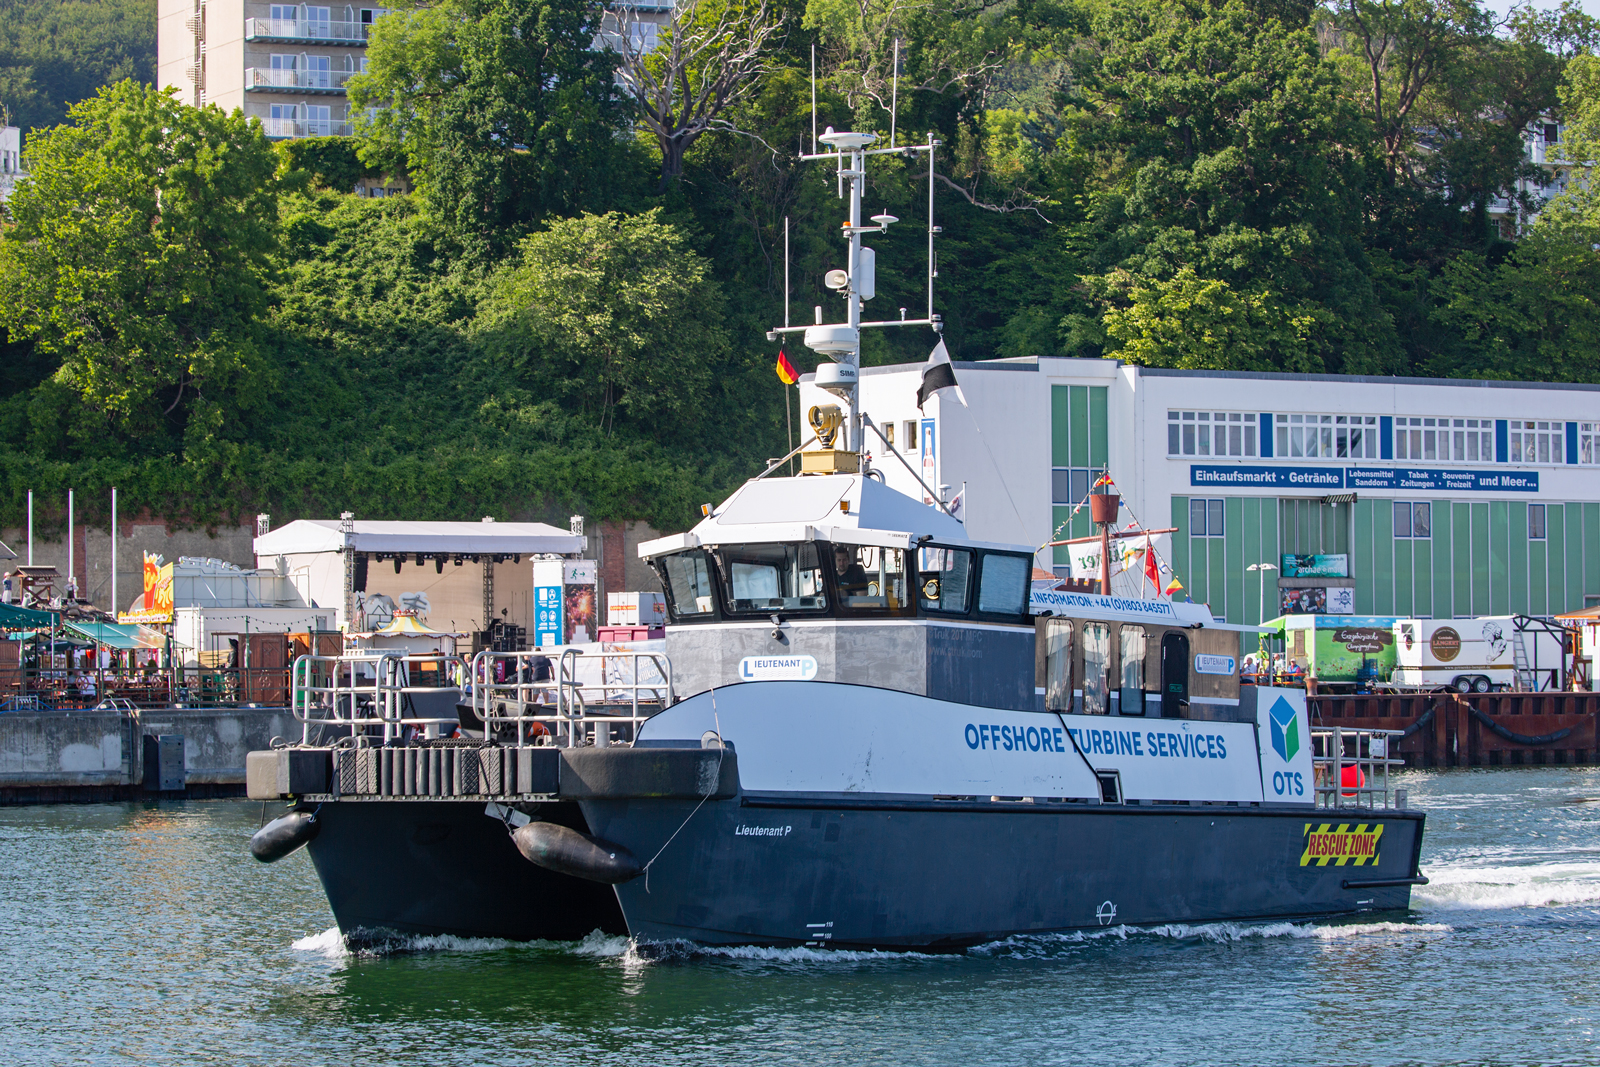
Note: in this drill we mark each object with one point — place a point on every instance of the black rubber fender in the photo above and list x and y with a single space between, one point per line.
283 835
567 851
1521 739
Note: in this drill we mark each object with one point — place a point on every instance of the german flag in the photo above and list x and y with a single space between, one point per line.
786 372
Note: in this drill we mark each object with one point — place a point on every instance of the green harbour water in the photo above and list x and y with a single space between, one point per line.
145 934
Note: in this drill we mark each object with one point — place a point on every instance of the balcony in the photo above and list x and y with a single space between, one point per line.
307 31
261 79
288 129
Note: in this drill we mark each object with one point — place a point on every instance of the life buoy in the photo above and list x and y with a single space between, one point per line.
1352 778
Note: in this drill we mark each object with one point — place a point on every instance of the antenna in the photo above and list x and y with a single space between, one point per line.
933 269
786 272
894 94
813 99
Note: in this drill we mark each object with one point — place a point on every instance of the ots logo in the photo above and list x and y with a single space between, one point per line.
1285 730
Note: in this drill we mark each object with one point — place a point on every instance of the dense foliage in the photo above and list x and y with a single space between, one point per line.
562 317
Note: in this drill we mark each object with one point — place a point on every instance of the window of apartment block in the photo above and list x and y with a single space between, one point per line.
319 120
1205 517
1327 436
1537 442
1413 518
279 61
317 22
888 434
1211 433
1552 133
910 443
1536 522
284 17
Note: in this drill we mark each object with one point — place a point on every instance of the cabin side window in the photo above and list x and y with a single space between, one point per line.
1132 648
871 580
760 579
944 579
1058 665
1096 668
687 579
1003 584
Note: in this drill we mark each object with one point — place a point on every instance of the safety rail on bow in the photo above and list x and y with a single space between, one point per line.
375 698
595 698
1351 766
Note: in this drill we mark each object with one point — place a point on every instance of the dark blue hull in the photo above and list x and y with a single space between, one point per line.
933 875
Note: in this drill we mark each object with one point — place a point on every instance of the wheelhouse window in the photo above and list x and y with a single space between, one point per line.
686 576
1096 667
1003 584
944 577
759 579
871 580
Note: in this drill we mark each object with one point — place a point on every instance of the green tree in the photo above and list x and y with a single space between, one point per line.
503 110
624 321
1220 152
138 259
54 53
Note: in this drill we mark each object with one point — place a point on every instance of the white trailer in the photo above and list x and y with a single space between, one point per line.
1477 655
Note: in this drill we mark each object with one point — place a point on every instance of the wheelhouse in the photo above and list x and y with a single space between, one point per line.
839 579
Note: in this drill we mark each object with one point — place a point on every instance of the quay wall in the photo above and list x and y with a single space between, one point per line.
59 756
1448 729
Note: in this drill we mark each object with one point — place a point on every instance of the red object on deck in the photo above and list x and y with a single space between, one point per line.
1352 778
631 633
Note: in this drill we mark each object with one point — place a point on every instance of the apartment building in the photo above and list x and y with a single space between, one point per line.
10 160
285 64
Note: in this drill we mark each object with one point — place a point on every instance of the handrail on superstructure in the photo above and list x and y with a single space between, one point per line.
370 694
1333 749
566 709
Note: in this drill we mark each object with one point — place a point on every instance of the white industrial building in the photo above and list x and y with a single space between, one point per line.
1427 498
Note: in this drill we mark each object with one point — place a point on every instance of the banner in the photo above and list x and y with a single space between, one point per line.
1334 566
1398 479
156 605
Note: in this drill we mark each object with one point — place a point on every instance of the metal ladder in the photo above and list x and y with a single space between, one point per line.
1525 679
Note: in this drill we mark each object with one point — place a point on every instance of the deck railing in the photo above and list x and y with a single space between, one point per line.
1351 766
586 698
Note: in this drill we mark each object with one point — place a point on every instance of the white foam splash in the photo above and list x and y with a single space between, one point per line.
598 944
332 944
1216 933
328 943
1492 888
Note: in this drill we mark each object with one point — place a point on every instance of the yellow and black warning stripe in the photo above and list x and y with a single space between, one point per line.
1341 844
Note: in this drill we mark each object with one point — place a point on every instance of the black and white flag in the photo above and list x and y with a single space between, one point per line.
938 374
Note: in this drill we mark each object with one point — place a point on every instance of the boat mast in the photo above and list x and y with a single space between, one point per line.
841 341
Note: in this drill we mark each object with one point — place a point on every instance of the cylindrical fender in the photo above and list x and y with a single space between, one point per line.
566 851
283 835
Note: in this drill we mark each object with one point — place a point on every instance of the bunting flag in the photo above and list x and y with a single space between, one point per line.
786 372
1174 587
1105 479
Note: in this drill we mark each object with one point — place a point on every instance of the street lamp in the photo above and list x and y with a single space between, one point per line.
1262 605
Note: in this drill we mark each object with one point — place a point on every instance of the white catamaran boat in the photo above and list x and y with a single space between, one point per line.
864 730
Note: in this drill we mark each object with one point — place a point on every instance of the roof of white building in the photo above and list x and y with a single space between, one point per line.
454 538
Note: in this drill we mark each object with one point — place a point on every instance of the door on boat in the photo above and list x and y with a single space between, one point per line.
1174 674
